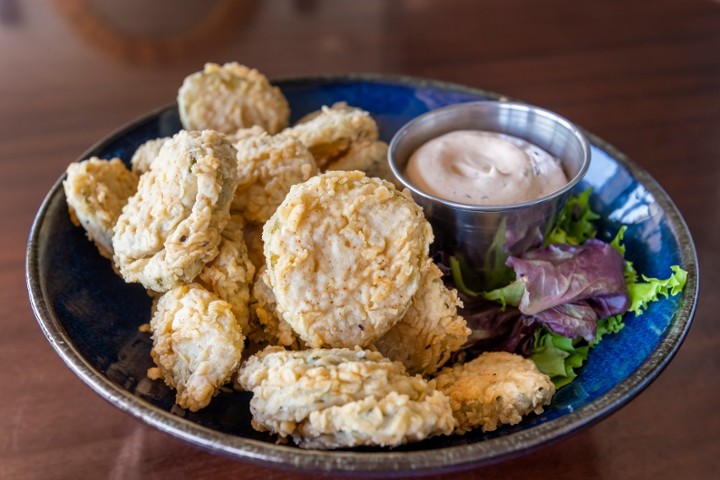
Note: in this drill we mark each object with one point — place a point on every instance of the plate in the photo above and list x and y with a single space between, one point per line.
91 317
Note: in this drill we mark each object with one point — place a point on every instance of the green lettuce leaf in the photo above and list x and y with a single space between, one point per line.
558 356
508 295
650 289
617 244
555 355
575 222
607 326
460 272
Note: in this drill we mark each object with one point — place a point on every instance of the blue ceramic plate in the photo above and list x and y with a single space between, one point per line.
91 317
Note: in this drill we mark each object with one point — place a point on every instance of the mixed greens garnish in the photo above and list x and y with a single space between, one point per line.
567 295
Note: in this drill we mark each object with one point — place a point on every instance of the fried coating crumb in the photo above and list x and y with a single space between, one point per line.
230 274
267 327
244 134
229 97
360 156
495 388
341 107
340 138
268 166
171 227
146 154
344 255
96 191
342 398
430 331
197 344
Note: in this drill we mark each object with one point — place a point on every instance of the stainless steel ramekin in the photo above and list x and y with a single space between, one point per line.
481 236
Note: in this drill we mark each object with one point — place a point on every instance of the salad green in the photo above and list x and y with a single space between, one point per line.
571 303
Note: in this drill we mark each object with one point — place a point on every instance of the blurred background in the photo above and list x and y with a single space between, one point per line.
642 74
75 69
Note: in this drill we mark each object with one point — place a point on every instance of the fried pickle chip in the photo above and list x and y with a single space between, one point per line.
341 138
267 326
197 344
230 274
494 389
268 166
229 97
96 191
430 331
345 254
146 154
171 227
244 134
333 398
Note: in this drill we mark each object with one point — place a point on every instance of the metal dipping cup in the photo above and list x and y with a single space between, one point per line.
481 237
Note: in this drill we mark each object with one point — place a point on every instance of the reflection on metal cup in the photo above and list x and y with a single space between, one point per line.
481 237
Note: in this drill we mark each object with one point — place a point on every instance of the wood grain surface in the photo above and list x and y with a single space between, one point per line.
642 74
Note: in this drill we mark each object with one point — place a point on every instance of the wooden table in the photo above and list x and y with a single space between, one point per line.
644 75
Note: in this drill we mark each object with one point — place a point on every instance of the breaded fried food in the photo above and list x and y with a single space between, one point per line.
244 134
337 106
341 398
230 274
197 344
345 254
171 227
267 327
96 191
363 156
341 138
381 166
345 138
495 388
146 154
229 97
268 166
430 331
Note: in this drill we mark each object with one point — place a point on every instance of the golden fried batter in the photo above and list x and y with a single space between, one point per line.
171 227
340 138
229 97
197 344
364 156
341 398
268 166
430 331
96 191
495 388
230 274
244 134
146 154
344 255
337 106
267 327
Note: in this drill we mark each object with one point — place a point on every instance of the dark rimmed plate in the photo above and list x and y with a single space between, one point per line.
91 317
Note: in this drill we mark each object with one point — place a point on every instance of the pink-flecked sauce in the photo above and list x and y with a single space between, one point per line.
476 167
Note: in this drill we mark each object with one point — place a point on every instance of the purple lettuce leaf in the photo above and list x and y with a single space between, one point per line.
571 320
566 273
568 287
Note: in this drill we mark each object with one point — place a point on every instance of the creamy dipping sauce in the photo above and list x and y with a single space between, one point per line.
484 168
